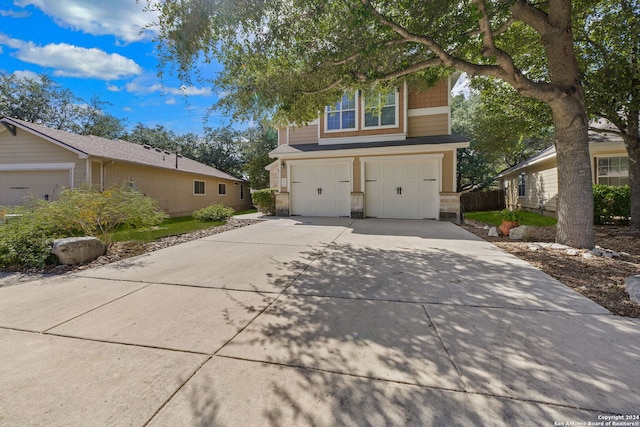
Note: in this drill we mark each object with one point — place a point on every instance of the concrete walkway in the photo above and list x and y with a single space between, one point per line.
314 322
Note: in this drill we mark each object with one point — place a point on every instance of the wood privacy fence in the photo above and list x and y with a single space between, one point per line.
483 201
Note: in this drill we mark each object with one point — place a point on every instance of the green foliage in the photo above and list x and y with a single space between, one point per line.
42 101
265 200
26 242
524 218
611 203
169 227
215 212
258 142
509 215
92 213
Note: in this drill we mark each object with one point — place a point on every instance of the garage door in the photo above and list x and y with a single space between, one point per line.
407 188
321 189
16 185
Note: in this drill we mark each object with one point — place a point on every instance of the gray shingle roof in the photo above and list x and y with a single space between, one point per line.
119 150
421 140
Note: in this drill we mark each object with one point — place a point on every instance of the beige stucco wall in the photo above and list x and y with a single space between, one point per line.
174 190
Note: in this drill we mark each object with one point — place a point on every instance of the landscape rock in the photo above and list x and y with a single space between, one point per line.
493 232
559 247
632 285
77 250
573 252
534 247
523 232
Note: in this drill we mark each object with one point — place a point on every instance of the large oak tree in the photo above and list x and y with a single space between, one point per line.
291 57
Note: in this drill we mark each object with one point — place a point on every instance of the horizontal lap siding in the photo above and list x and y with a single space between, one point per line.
25 148
541 187
430 125
303 135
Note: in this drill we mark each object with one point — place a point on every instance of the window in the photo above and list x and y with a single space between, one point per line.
343 114
222 189
241 192
380 109
613 171
522 186
198 187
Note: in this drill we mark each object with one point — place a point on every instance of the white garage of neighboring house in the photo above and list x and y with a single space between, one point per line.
41 162
361 166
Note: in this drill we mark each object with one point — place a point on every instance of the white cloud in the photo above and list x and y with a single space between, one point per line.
126 109
170 101
15 14
27 75
123 18
113 88
74 61
136 87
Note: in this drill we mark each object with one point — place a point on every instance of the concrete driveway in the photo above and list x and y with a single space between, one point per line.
315 322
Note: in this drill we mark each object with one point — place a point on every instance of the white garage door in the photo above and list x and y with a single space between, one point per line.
321 189
407 188
16 185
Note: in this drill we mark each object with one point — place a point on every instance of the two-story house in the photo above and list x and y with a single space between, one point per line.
381 155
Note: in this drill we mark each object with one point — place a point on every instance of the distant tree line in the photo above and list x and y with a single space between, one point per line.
40 100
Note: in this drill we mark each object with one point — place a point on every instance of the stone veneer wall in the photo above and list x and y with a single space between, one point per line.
357 205
282 204
450 207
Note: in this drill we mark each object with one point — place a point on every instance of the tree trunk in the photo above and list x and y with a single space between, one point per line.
632 142
575 190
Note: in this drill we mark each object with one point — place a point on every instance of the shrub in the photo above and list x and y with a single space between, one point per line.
215 212
27 241
509 215
265 200
85 211
611 203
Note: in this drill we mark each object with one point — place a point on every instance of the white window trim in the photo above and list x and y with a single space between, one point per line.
194 187
357 112
607 156
397 114
225 189
524 185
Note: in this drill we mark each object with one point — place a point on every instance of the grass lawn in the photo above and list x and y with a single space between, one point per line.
246 211
526 218
170 227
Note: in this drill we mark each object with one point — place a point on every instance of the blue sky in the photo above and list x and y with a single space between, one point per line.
95 47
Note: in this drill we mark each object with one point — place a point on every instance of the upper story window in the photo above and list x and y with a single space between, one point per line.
381 109
613 170
342 115
522 185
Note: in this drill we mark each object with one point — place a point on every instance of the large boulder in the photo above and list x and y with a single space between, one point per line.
77 250
633 288
523 232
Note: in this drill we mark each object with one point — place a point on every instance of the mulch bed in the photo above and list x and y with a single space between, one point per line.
598 278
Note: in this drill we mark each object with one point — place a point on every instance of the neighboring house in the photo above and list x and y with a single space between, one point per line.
533 184
42 161
398 161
